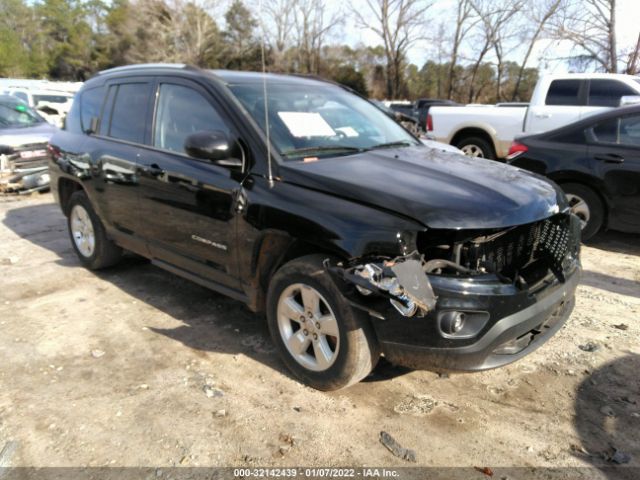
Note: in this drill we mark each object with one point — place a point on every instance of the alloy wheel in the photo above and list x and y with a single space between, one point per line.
82 231
308 327
579 208
472 150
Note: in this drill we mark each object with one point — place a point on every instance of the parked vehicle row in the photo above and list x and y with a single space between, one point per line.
596 161
488 130
312 205
24 136
53 105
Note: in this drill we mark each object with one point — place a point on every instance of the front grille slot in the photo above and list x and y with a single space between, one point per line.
510 252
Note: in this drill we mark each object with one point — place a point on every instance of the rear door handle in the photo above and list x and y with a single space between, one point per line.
543 115
610 158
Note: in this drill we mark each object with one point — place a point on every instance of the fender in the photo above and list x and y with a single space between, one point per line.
285 221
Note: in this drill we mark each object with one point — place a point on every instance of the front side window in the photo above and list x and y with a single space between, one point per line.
308 120
182 111
607 93
564 92
128 118
619 131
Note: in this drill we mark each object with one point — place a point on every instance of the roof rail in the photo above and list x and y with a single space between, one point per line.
145 66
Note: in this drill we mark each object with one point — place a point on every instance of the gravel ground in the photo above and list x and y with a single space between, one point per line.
135 367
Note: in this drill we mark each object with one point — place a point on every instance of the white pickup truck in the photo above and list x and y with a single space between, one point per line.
488 130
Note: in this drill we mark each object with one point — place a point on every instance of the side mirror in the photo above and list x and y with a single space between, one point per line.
629 100
213 146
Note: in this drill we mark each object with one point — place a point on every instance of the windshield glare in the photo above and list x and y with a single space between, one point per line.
303 118
14 113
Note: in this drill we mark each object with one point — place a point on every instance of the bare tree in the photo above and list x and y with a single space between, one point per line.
591 26
399 23
312 24
494 33
180 31
465 22
632 61
279 14
538 14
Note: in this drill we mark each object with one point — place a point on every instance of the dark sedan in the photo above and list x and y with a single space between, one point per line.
596 161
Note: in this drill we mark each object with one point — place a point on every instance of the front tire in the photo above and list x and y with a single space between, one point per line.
322 339
88 237
587 206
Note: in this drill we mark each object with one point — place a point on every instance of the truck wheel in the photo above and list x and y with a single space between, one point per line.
88 237
322 339
476 147
587 206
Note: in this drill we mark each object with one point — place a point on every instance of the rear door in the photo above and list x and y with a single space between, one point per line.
188 203
114 149
564 103
614 151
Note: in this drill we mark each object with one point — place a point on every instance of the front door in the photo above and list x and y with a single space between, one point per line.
614 152
188 204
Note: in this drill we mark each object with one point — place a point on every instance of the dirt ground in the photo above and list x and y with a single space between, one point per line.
135 367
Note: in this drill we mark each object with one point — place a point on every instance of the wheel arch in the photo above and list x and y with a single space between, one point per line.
274 249
565 177
66 188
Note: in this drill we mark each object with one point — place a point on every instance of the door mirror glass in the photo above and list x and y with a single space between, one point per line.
213 146
629 100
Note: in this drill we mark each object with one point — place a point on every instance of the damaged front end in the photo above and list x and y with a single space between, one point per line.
488 295
24 169
402 280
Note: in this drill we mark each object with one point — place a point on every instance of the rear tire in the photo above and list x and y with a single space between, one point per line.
586 205
303 302
88 236
476 147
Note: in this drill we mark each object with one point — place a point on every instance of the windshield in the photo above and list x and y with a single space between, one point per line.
320 120
14 113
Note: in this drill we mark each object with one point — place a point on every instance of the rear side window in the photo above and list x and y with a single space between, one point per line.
564 92
90 105
607 93
128 118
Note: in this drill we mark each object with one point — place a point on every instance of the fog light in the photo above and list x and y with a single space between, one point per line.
452 322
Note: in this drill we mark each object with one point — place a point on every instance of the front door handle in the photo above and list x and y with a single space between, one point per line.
543 115
610 158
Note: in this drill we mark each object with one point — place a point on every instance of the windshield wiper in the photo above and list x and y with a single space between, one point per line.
401 143
322 148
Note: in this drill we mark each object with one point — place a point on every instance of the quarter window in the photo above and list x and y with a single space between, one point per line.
620 131
564 92
181 112
90 106
607 93
128 118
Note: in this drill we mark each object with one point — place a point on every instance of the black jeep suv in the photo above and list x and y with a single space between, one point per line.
305 201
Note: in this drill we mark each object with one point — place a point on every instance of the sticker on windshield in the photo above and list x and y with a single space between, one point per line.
306 124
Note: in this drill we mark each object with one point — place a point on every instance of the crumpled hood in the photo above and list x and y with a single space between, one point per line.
16 137
438 189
